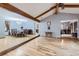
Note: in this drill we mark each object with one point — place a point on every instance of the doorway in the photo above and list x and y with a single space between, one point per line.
69 28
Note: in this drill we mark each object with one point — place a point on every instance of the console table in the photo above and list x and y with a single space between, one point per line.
48 34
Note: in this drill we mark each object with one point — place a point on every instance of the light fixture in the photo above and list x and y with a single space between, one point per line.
48 24
61 5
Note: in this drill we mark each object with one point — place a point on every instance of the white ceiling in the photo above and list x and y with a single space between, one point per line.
34 9
47 14
70 10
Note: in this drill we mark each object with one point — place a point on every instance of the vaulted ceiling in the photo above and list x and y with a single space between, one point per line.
35 9
39 11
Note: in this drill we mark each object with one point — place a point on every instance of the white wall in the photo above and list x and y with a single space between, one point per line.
13 18
2 29
56 23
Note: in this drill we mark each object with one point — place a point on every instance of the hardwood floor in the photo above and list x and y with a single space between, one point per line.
10 43
43 46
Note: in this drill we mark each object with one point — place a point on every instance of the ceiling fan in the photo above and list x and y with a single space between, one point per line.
61 5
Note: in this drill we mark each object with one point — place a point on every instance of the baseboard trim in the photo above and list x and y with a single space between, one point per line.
2 37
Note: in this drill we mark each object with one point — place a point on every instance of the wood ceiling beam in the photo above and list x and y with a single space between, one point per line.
46 12
57 8
71 6
16 10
